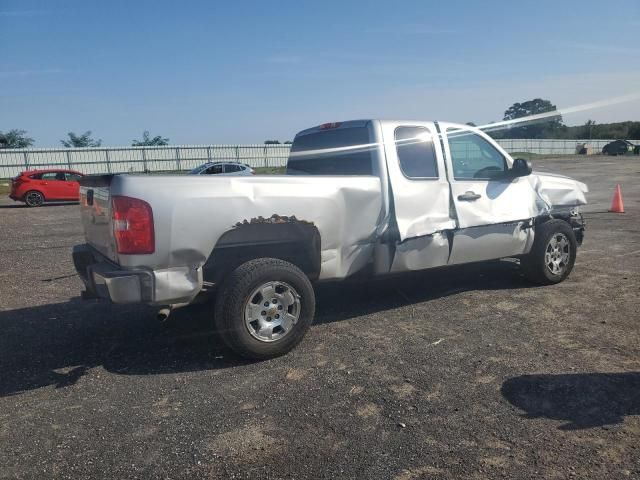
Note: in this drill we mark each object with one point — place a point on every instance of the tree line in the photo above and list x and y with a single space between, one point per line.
19 139
553 126
550 127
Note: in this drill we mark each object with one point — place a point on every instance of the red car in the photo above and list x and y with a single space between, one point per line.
34 187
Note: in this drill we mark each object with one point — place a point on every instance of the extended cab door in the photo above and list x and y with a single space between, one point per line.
418 180
491 206
72 191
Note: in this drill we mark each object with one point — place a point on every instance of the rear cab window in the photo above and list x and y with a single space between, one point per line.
333 149
416 152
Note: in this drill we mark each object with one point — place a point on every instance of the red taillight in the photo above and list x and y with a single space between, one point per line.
133 225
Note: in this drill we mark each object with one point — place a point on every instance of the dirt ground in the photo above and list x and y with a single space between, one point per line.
462 373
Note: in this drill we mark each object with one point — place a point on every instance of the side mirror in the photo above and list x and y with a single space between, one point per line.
521 167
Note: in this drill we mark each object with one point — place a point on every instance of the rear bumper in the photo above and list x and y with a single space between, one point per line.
104 279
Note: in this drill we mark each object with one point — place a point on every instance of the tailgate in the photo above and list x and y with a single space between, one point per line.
95 204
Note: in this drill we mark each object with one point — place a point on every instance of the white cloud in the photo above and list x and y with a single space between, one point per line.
598 48
24 73
412 29
21 13
284 59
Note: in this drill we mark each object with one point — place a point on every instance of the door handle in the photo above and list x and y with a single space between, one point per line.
469 196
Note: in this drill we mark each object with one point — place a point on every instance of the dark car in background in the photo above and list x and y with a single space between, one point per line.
620 147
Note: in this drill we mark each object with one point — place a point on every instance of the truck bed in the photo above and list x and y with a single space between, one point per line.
192 212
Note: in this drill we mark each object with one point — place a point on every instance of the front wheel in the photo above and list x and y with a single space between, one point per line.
553 253
264 308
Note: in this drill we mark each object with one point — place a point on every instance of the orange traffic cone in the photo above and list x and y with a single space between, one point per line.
617 206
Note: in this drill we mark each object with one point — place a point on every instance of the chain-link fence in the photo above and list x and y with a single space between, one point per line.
139 159
187 157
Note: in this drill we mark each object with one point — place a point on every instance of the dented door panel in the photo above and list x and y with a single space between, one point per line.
421 253
421 204
489 242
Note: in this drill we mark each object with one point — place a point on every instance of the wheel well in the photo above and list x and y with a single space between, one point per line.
292 240
575 221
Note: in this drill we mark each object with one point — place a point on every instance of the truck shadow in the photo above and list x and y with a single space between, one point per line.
56 344
582 400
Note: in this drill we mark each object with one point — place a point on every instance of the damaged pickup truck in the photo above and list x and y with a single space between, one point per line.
372 197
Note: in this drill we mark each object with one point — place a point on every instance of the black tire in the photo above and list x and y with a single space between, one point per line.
534 265
33 198
235 293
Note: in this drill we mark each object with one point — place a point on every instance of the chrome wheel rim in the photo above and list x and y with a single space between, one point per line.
557 254
271 311
34 199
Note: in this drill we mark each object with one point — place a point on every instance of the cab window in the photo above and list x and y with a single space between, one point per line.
213 170
416 153
73 177
473 157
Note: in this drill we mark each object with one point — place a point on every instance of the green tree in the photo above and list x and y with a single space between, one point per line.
148 141
272 142
15 139
548 126
588 128
634 131
81 141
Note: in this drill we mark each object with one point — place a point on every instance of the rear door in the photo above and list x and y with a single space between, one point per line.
418 177
232 169
72 185
490 206
53 185
215 169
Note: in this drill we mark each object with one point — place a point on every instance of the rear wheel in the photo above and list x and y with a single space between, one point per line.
264 308
33 198
553 253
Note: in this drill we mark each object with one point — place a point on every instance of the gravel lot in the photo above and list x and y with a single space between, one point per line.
464 373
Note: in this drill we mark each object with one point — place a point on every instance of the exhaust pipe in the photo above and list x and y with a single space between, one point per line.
163 313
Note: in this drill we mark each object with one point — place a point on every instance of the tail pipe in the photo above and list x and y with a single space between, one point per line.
164 313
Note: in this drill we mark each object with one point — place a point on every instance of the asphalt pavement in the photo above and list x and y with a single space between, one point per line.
469 372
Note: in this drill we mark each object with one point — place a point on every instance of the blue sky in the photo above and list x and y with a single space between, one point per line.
236 71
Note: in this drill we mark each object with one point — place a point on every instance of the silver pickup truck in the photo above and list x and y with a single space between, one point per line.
369 197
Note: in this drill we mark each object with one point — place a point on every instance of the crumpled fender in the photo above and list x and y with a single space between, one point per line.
558 191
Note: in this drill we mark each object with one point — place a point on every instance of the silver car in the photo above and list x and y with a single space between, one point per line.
223 168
